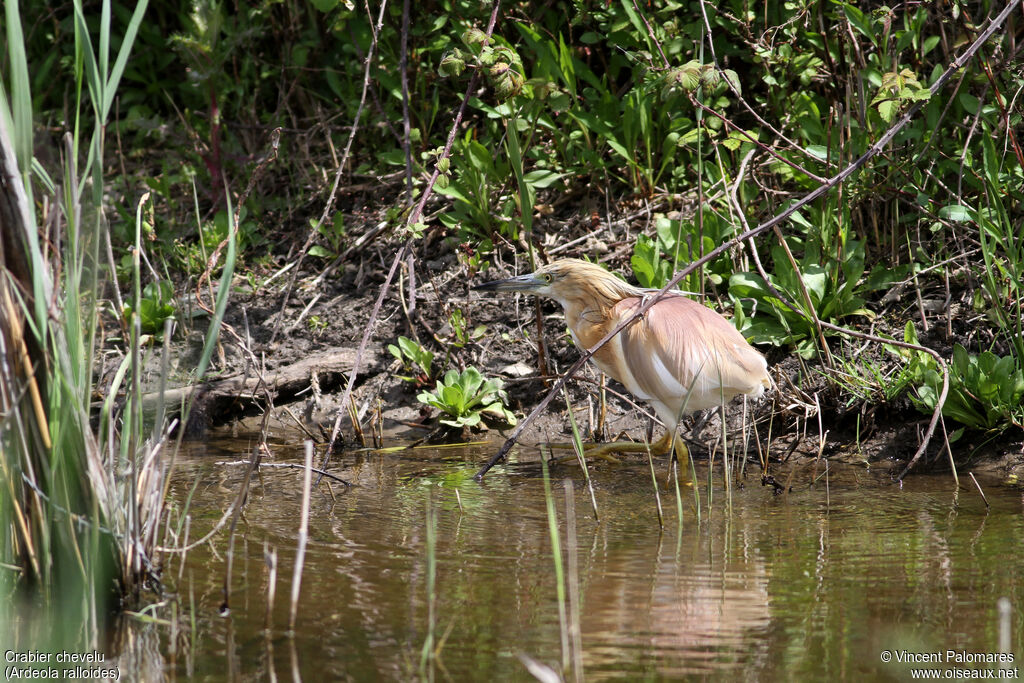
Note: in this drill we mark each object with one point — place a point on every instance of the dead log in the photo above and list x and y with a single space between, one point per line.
222 400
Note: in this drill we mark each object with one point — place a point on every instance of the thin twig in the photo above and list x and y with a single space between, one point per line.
750 138
650 32
414 217
329 204
287 465
979 489
739 96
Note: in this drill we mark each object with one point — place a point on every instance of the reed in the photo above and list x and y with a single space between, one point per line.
577 444
270 560
82 508
556 557
693 479
674 464
572 565
300 551
654 481
1005 610
427 652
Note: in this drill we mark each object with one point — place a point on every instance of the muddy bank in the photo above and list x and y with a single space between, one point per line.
308 348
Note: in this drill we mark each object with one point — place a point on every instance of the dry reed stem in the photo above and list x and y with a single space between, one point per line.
25 360
300 552
414 217
270 559
978 486
654 480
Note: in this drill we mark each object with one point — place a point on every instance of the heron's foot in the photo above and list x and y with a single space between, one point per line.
590 451
605 451
598 451
682 451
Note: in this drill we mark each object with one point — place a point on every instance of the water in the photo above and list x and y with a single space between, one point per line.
816 584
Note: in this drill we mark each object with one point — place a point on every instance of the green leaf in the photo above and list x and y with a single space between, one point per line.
474 37
815 279
888 109
733 79
687 77
453 399
542 178
958 213
859 21
818 152
969 102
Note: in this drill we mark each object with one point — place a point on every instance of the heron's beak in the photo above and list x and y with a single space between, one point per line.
523 283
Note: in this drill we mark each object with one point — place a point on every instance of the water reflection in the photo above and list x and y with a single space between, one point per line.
812 584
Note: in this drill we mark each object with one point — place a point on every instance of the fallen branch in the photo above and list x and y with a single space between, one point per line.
236 394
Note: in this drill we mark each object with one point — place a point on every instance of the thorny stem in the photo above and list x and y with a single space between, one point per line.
821 190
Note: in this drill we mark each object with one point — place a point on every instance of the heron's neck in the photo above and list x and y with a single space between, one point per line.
589 305
589 317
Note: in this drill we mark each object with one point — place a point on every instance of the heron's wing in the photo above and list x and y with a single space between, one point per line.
682 348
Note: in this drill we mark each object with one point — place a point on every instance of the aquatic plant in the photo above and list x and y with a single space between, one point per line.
415 358
467 397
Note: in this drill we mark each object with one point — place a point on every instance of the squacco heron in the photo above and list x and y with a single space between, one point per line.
680 356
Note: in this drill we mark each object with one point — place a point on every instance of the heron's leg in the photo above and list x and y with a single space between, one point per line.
682 451
663 446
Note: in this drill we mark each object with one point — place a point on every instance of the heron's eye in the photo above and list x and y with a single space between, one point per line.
546 277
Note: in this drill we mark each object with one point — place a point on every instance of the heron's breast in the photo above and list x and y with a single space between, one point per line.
587 331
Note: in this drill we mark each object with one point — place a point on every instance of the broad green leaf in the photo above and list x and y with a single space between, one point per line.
888 109
958 213
859 21
542 178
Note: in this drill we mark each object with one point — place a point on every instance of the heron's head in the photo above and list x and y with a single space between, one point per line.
566 280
